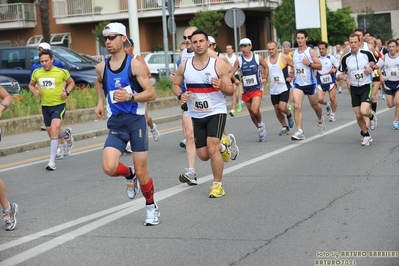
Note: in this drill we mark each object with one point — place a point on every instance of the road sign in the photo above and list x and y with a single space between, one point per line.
234 18
171 25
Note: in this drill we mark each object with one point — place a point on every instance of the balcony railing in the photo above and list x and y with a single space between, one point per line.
73 8
17 12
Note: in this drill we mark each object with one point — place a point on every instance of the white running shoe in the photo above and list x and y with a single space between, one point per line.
328 108
183 143
340 90
10 218
366 140
69 142
51 166
299 135
373 123
332 118
128 148
234 151
384 96
262 132
132 186
59 154
155 132
189 177
321 127
395 125
152 213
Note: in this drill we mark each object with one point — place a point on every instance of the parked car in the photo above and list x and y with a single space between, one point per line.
156 63
10 85
16 62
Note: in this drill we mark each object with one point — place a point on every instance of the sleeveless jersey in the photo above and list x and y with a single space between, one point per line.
232 60
304 75
204 100
325 76
251 76
391 71
123 77
51 84
186 55
278 72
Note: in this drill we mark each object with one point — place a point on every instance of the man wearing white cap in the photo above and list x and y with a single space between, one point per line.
253 80
123 81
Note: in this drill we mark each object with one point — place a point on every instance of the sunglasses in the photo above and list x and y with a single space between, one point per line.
111 37
187 37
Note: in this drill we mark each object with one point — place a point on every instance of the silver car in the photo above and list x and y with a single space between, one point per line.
10 85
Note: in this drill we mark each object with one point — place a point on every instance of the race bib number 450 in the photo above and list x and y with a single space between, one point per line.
202 105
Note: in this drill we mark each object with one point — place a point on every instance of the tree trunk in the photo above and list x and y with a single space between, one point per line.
45 19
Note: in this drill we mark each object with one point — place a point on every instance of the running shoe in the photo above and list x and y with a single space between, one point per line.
234 151
128 148
328 108
384 96
299 135
132 186
239 106
321 126
285 131
332 118
373 123
10 218
340 90
152 214
51 166
291 121
396 125
226 154
59 154
262 132
217 191
232 113
69 142
189 177
366 140
183 143
155 132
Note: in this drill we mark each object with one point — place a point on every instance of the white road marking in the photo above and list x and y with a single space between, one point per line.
125 209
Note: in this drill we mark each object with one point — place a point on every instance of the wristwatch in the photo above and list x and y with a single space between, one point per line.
131 97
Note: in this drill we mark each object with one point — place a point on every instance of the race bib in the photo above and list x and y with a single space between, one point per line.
300 72
47 83
358 75
249 80
202 105
326 79
392 73
278 78
112 93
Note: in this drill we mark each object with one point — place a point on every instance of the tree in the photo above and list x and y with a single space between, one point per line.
284 20
207 21
340 24
377 27
44 19
98 32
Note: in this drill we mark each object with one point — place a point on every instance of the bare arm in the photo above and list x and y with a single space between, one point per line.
141 59
6 100
224 82
265 73
99 89
316 61
33 88
177 81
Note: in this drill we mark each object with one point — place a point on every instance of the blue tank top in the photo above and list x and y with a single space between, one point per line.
251 76
124 77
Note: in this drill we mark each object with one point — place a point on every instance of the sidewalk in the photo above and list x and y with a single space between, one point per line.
38 139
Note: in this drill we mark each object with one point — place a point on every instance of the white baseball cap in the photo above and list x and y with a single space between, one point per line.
115 27
44 45
245 41
211 39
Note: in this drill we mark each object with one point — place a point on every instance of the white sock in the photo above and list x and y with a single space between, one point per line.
8 209
53 149
217 183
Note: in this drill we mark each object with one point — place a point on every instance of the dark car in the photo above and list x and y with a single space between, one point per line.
10 85
16 62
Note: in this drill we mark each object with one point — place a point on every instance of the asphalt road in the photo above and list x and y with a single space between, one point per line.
326 199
